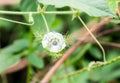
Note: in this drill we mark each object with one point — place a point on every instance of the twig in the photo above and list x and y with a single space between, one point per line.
20 65
47 77
113 44
110 44
109 31
40 74
8 2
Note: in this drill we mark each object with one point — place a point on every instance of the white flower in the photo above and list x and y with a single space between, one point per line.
54 42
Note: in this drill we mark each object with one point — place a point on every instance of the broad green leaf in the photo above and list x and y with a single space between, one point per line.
57 25
5 24
7 58
17 46
113 4
39 25
36 60
112 54
91 7
7 61
95 52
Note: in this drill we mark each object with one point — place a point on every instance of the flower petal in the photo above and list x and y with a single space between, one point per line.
54 42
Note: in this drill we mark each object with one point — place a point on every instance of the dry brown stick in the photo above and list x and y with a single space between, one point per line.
113 44
110 44
47 77
21 64
8 2
18 66
41 73
108 31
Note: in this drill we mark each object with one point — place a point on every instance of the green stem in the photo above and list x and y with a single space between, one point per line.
87 68
5 19
31 40
46 23
28 74
104 58
35 12
42 11
46 12
4 78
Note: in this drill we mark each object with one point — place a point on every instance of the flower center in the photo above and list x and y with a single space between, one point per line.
54 41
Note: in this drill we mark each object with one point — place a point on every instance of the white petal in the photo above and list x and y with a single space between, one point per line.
47 43
55 48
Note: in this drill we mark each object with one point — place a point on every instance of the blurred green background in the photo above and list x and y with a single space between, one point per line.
17 42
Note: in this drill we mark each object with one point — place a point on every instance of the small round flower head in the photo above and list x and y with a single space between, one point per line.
54 42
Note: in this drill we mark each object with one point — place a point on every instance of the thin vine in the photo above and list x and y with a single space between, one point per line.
37 12
42 10
103 51
23 23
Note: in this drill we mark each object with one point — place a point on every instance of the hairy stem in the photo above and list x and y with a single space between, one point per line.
87 68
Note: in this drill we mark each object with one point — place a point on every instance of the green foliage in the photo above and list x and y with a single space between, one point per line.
77 78
16 47
100 75
93 8
39 25
7 60
35 60
8 55
95 52
4 24
57 25
27 45
113 4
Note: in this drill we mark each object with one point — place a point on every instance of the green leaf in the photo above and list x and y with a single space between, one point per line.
39 25
113 4
57 25
95 52
7 58
17 46
7 61
5 24
36 60
93 7
80 53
